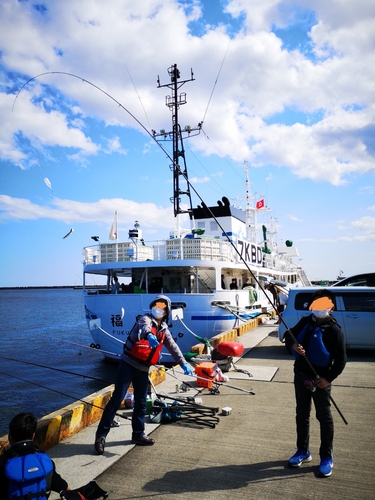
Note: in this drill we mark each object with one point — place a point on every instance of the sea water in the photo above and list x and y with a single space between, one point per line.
46 327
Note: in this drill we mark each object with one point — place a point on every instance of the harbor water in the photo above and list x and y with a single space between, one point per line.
46 327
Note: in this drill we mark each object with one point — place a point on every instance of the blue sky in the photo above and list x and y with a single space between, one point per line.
287 86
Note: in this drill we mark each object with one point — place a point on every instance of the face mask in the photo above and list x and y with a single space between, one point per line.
321 314
157 312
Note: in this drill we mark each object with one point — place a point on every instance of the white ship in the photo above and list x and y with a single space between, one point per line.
195 267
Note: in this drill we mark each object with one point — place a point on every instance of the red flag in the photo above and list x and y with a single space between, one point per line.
260 204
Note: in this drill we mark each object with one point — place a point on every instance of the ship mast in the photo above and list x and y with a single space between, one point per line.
180 175
250 214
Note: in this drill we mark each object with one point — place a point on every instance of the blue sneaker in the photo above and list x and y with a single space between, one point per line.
299 458
325 467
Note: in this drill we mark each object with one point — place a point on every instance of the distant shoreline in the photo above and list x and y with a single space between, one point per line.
75 287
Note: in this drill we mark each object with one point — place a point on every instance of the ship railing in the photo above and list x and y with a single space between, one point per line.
177 248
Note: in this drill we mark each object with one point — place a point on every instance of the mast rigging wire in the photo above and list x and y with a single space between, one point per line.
217 78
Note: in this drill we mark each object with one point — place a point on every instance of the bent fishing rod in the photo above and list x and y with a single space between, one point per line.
184 174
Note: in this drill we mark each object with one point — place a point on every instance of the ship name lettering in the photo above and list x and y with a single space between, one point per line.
250 252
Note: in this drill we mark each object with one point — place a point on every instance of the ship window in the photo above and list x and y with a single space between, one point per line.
179 305
213 226
201 225
218 303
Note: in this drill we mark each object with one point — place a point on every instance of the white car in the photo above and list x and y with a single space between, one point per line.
354 312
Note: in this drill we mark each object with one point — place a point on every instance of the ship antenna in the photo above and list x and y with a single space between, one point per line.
178 167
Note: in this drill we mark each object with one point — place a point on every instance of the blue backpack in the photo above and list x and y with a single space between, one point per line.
29 476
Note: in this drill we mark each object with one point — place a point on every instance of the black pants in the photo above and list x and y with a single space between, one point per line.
126 374
321 398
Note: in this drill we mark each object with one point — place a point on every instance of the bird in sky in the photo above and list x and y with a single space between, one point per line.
68 234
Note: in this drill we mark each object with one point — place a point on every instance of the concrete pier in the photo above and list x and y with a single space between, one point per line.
245 455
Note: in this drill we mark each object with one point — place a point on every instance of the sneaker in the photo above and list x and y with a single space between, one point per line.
299 458
325 467
99 445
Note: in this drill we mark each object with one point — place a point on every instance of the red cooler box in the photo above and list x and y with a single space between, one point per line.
206 371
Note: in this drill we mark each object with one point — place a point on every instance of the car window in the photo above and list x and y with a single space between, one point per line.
303 300
359 302
358 280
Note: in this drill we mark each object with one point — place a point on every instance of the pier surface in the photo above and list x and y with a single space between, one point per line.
246 455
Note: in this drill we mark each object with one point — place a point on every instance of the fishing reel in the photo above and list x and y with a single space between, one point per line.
310 384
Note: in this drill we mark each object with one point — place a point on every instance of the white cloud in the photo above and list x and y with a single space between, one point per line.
367 226
259 79
70 211
294 218
199 180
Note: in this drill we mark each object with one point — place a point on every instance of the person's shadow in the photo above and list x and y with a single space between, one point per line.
230 477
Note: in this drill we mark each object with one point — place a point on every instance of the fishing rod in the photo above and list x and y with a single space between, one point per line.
317 377
62 394
174 162
56 369
205 379
184 174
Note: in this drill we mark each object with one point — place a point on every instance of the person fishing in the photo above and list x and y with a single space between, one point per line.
39 477
142 349
320 340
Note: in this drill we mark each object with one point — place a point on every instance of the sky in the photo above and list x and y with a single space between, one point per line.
285 87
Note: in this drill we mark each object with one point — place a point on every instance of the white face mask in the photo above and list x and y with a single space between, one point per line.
321 314
157 312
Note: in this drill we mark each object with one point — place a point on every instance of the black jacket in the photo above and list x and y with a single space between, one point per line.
333 340
18 450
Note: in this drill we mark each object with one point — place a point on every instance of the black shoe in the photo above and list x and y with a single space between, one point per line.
99 445
143 441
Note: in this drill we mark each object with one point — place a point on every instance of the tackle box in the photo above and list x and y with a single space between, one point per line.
206 372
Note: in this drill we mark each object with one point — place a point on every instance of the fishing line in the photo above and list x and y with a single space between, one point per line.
56 369
62 394
158 143
92 347
136 91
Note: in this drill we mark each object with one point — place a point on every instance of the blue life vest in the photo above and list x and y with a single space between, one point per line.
29 476
316 351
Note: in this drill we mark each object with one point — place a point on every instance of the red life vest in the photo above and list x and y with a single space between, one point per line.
142 351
